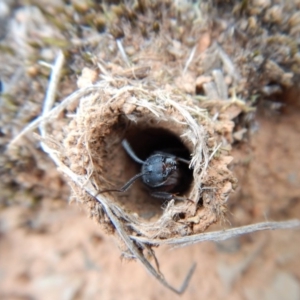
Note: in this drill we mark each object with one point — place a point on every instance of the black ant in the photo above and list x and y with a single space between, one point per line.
161 172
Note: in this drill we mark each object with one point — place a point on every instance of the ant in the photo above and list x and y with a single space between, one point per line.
161 172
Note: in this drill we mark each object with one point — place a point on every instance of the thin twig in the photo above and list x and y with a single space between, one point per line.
50 99
221 85
135 250
123 53
188 62
54 112
220 235
51 91
228 64
214 152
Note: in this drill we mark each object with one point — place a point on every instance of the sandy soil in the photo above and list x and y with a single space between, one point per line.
56 252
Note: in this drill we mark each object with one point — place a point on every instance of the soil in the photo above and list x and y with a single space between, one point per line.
56 252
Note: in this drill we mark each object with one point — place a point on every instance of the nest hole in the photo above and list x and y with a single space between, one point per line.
144 141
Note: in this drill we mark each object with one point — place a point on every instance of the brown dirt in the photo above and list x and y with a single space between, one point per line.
56 252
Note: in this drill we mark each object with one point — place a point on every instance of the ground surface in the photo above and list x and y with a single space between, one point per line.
56 252
50 249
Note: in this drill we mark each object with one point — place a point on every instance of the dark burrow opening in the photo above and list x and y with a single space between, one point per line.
144 142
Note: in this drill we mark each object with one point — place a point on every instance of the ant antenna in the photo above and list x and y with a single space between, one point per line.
128 149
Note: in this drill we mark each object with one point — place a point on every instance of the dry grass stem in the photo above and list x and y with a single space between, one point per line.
222 235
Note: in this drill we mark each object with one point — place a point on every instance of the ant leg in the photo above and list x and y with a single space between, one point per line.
130 152
169 196
162 195
183 160
178 198
125 187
